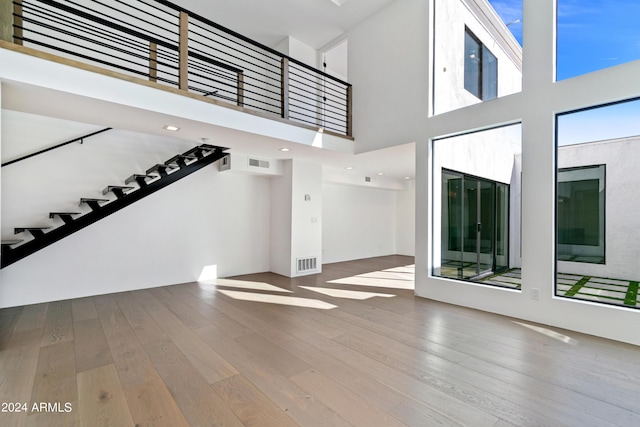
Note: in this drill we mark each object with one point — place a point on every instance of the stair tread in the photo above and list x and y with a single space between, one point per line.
32 228
138 176
203 150
185 155
10 242
122 187
180 158
90 199
141 175
64 213
158 166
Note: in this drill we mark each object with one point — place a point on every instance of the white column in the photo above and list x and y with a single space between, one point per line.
296 217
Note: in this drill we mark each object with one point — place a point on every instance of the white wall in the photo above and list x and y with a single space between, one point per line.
296 49
406 220
296 223
55 181
306 219
358 222
26 133
388 68
206 219
280 221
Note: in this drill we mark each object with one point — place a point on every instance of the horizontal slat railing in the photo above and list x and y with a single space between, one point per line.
169 45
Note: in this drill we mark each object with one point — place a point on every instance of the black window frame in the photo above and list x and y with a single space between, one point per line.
485 85
561 255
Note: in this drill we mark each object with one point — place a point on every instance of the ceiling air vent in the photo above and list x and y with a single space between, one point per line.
259 163
367 179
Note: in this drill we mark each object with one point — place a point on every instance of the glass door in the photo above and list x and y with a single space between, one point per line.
502 227
474 227
471 226
486 223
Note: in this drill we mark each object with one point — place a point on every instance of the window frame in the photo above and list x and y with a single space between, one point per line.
602 201
483 69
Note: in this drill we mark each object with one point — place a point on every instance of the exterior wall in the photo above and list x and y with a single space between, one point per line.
451 18
622 250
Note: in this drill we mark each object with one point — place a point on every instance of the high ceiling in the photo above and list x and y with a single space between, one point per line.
314 22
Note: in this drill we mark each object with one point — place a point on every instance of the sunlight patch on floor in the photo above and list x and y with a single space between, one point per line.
385 274
395 278
242 284
375 283
278 299
405 269
548 332
343 293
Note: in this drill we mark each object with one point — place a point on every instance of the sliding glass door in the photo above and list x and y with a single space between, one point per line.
474 226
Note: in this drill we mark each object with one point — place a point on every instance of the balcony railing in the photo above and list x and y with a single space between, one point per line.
164 43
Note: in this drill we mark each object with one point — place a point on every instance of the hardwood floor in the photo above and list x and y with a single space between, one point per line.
351 346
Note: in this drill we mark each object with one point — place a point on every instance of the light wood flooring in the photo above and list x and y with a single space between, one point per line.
351 346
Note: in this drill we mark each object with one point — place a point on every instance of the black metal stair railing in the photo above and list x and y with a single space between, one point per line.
37 153
167 44
157 178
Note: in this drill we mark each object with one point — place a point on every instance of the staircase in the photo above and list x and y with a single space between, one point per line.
136 187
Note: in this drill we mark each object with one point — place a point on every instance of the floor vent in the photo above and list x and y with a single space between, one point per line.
305 265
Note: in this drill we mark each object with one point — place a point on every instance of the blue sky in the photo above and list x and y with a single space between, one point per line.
592 35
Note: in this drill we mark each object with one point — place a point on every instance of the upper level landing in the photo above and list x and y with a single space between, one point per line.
144 65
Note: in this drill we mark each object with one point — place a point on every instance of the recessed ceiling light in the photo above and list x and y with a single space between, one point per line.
285 149
349 168
407 177
172 128
380 173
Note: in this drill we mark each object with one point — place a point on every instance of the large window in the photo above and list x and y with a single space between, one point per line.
597 206
480 68
476 207
594 35
581 214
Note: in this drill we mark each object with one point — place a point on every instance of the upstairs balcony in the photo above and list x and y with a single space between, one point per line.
172 48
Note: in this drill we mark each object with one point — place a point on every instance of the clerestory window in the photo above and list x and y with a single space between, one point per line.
480 68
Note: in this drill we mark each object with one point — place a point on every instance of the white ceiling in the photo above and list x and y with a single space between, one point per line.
314 22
